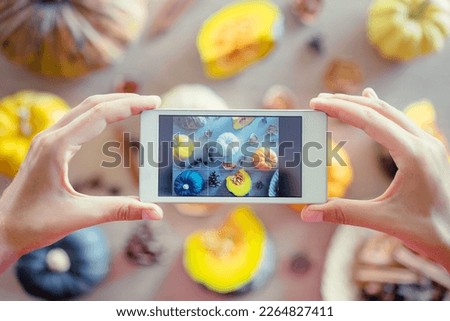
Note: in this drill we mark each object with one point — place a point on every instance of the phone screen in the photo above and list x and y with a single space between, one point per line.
223 156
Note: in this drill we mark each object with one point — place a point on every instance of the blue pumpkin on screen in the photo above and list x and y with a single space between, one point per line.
188 183
68 268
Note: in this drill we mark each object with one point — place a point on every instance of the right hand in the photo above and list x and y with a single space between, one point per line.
416 206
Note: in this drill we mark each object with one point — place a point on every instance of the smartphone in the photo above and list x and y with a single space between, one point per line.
233 156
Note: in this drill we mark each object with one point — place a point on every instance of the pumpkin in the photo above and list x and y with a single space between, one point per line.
404 29
265 159
423 114
22 116
240 183
183 147
190 123
230 145
234 258
339 177
188 183
68 268
237 36
241 122
69 38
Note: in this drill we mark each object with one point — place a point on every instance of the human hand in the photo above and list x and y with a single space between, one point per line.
40 206
416 206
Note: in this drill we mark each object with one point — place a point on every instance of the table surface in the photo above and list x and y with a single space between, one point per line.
172 59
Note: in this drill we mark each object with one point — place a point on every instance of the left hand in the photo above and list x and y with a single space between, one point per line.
40 206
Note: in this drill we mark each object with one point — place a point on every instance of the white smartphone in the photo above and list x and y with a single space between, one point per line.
233 156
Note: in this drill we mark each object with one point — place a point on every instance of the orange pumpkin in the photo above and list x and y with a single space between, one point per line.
69 38
265 159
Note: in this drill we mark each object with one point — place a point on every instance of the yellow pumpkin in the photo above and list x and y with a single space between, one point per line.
237 36
22 116
231 257
183 147
339 178
405 29
239 183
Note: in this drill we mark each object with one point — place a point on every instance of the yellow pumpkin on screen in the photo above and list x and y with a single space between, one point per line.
234 258
340 176
22 116
404 29
183 147
237 36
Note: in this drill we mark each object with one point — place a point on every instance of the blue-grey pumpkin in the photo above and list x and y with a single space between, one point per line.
188 183
68 268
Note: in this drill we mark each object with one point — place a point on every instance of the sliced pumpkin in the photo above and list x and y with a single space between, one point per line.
240 183
229 257
237 36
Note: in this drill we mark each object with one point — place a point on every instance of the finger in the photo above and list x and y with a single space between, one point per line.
87 104
370 93
91 123
121 208
371 100
396 139
349 212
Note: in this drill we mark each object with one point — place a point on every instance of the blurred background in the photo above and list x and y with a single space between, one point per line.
154 62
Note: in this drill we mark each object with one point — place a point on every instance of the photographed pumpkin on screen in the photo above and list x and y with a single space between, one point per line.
68 38
22 116
339 178
237 36
234 258
405 29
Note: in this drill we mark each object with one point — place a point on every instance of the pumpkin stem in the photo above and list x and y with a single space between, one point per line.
420 10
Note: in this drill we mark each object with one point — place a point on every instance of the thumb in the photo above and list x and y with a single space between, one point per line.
113 208
344 211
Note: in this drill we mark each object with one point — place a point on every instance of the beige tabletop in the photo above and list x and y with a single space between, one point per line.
172 59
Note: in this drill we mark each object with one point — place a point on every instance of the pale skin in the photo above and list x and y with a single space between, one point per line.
416 206
40 206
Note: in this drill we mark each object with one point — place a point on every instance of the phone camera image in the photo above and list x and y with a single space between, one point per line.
226 156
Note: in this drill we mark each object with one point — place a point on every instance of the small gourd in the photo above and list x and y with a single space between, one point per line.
405 29
22 116
265 159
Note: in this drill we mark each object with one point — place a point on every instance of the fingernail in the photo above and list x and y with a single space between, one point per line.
152 214
325 95
312 216
319 100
